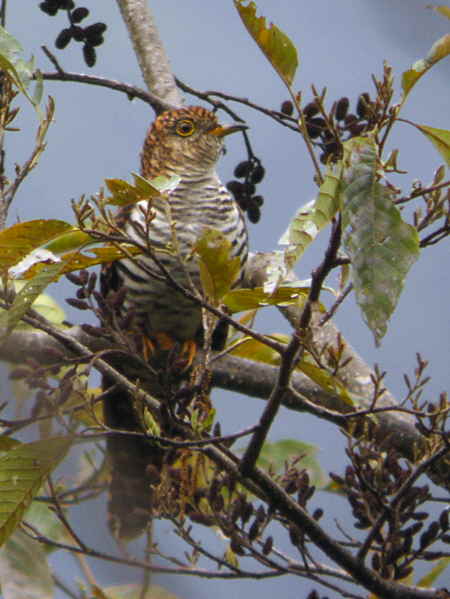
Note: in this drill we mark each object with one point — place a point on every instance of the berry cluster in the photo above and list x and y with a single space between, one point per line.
253 173
90 36
328 130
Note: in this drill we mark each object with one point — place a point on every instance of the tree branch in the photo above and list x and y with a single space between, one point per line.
149 50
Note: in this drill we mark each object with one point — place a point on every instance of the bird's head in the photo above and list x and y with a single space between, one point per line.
187 141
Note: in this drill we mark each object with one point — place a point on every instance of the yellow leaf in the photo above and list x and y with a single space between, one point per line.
22 471
275 44
440 49
19 240
440 138
218 270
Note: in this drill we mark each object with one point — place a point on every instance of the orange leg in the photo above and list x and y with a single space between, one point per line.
163 343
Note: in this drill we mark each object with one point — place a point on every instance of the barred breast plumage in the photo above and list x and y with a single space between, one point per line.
199 201
186 142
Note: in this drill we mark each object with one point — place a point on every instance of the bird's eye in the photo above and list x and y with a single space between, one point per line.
185 128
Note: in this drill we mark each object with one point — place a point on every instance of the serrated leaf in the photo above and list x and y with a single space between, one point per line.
440 138
19 240
24 571
23 469
238 300
275 44
313 216
218 270
381 246
439 50
430 577
275 455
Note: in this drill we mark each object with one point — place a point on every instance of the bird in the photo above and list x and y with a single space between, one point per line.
186 142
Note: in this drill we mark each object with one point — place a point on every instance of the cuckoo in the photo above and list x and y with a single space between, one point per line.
186 142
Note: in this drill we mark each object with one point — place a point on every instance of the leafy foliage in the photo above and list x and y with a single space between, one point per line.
23 470
275 44
381 246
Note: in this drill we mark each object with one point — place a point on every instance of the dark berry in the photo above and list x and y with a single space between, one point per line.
258 174
242 169
332 147
363 106
89 55
315 127
342 109
95 29
50 8
287 108
254 213
350 119
356 129
79 14
66 4
77 33
258 200
310 110
63 38
96 40
236 187
249 189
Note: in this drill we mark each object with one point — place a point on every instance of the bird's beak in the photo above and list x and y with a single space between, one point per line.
222 130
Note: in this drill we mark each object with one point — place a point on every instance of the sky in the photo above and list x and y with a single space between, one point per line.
98 134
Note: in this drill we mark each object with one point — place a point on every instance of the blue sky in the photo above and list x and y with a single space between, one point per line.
98 134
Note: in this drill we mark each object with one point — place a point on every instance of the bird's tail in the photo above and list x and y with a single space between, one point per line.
133 463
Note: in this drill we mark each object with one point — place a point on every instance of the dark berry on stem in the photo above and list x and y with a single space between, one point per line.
77 33
287 108
242 169
79 14
258 174
254 213
89 55
342 109
310 110
63 38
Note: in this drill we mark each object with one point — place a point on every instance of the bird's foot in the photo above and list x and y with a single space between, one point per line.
177 356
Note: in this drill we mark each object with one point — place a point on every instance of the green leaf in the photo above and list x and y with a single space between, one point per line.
134 591
430 578
28 295
325 380
275 44
43 518
19 70
218 270
313 216
124 193
238 300
23 469
19 240
74 239
45 305
275 455
441 9
24 571
439 50
381 246
440 138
